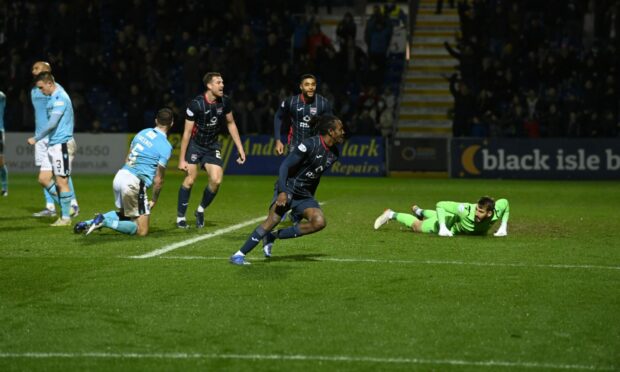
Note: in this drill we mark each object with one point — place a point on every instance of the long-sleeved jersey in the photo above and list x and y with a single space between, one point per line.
460 217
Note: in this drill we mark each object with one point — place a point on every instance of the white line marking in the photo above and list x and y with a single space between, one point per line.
323 358
172 247
426 262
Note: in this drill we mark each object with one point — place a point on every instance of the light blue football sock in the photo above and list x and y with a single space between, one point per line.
4 178
65 204
49 200
52 191
111 216
125 227
74 199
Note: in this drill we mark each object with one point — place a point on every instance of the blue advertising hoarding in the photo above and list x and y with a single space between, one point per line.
557 158
360 156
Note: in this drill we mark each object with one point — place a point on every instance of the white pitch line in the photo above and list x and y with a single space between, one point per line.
172 247
318 358
427 262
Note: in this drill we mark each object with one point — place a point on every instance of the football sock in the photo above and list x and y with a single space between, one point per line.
49 200
429 213
111 215
4 178
405 219
74 200
183 201
253 240
52 190
65 204
125 227
288 233
207 198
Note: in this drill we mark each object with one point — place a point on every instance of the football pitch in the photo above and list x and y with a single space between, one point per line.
349 298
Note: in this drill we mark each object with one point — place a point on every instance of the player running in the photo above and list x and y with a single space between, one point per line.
299 177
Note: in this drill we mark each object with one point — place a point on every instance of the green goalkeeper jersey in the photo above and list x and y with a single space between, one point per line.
460 217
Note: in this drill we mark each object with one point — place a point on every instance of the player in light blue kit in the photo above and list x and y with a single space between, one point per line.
4 173
145 166
39 103
61 146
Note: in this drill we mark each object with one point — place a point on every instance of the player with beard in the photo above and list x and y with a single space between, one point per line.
453 218
298 110
205 116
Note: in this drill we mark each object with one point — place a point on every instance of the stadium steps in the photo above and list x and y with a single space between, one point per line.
426 99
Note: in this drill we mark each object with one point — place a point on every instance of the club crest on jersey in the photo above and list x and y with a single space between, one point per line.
312 110
302 147
219 111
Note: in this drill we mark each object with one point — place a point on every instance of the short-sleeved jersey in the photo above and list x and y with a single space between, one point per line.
60 104
2 107
208 118
39 103
149 149
463 216
299 113
316 158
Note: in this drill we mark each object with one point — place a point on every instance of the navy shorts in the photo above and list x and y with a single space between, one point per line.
197 154
297 206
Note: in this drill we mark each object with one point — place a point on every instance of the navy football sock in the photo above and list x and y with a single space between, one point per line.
183 201
289 232
253 240
207 198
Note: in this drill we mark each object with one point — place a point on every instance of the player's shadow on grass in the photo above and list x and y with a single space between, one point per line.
301 257
15 228
103 238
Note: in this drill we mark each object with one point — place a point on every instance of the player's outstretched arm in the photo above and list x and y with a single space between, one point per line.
277 128
158 183
502 208
234 133
187 134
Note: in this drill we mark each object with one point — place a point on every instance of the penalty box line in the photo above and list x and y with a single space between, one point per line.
311 358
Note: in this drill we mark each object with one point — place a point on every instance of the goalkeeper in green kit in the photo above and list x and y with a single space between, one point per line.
453 218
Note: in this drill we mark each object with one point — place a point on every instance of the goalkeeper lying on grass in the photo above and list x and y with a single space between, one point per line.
453 218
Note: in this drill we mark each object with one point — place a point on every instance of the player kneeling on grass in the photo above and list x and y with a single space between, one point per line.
145 166
453 218
299 177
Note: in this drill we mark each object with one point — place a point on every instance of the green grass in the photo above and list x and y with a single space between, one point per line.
348 298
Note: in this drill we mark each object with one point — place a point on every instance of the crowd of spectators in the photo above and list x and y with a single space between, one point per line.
120 61
532 68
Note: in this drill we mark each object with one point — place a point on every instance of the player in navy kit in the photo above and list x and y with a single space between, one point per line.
299 177
299 109
205 116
